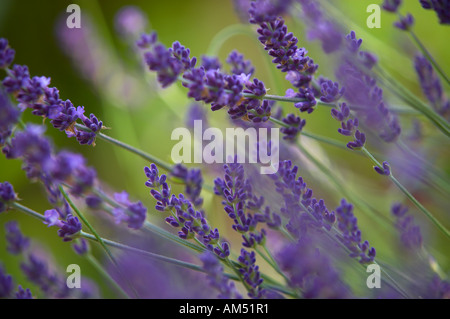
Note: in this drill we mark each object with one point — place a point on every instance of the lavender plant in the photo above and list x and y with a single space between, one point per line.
223 230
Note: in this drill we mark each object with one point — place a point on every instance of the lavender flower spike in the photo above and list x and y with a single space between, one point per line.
17 242
7 195
68 228
134 214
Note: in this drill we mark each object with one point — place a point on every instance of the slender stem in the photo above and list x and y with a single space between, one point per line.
130 148
86 222
428 214
99 239
94 262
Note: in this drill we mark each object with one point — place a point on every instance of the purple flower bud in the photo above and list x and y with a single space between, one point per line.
17 242
386 170
405 23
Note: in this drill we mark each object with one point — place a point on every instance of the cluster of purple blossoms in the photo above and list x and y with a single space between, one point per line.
193 181
361 90
134 214
431 86
8 117
441 7
294 126
217 278
308 215
312 271
405 23
410 234
7 195
250 273
168 63
53 171
282 46
183 214
211 63
17 242
239 65
6 54
69 228
208 83
385 170
351 235
321 28
236 191
304 213
391 5
23 294
6 284
36 269
7 287
349 127
35 93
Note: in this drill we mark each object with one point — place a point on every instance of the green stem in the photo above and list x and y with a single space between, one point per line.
99 239
428 214
94 262
130 148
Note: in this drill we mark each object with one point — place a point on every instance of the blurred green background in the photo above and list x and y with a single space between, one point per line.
146 116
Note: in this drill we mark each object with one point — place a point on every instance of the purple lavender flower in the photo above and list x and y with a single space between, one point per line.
211 63
295 124
32 146
251 274
134 214
7 195
93 201
6 54
94 125
50 106
83 180
17 78
410 234
305 213
431 86
441 7
17 242
183 214
82 247
67 117
68 228
23 294
330 91
193 180
312 271
217 278
147 40
362 90
307 105
37 271
405 23
130 21
391 5
6 284
33 90
239 65
351 235
167 63
8 117
320 27
267 10
385 170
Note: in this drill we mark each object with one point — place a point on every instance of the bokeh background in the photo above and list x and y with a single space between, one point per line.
116 87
